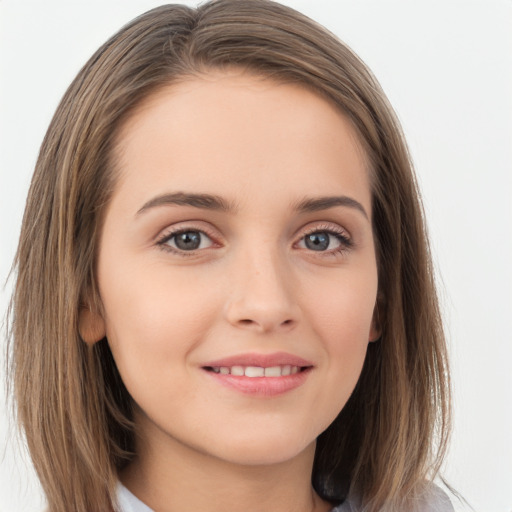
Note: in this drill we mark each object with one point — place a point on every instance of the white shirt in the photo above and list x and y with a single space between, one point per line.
437 502
128 502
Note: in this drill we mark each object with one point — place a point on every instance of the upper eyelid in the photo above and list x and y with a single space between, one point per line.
329 227
173 230
303 231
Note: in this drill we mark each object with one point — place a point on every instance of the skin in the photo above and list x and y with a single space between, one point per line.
253 286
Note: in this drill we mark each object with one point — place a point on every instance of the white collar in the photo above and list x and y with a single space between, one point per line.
129 502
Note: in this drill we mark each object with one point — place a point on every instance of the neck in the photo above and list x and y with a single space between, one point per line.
172 477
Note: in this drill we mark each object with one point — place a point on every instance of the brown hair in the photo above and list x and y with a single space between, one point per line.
71 403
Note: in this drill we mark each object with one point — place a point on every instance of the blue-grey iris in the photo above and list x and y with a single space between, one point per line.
317 241
188 241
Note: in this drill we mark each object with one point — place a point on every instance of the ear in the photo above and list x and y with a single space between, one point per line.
91 326
375 327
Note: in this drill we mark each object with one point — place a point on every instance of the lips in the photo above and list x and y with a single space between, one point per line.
262 375
261 360
257 371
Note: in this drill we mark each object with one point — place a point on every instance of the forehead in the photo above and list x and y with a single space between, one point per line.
234 131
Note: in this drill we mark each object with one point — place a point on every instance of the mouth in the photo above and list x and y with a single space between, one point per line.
260 375
257 371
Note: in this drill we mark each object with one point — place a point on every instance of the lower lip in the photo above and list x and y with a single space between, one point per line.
262 386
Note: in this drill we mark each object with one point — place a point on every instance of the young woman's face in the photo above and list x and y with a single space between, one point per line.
237 266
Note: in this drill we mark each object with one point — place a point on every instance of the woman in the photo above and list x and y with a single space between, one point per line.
283 113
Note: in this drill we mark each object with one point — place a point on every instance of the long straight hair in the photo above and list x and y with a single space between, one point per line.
75 412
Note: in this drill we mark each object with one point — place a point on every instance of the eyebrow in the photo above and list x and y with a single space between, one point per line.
326 202
217 203
203 201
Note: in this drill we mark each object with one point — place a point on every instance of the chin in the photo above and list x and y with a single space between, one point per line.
263 452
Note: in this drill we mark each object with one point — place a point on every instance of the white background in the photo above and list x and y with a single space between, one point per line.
446 67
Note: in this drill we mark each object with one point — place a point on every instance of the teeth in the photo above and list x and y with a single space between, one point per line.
254 371
273 371
257 371
237 370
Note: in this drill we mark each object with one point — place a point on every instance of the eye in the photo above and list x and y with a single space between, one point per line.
185 240
325 240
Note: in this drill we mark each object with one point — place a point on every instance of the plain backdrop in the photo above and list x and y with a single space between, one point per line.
446 66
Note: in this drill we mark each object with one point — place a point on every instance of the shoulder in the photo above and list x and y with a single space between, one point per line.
433 499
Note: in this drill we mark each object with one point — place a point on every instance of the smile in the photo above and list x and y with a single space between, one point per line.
260 375
257 371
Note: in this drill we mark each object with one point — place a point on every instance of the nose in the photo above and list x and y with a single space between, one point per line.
262 297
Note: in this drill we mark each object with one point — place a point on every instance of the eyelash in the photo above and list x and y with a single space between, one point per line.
169 235
340 234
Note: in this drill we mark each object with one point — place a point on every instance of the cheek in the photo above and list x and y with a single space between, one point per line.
341 307
154 319
342 317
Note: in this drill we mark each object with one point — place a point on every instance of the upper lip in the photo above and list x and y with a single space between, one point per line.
262 360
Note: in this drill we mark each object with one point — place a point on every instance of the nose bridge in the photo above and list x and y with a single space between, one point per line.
262 293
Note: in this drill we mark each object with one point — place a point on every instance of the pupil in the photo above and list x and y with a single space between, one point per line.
317 241
188 241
